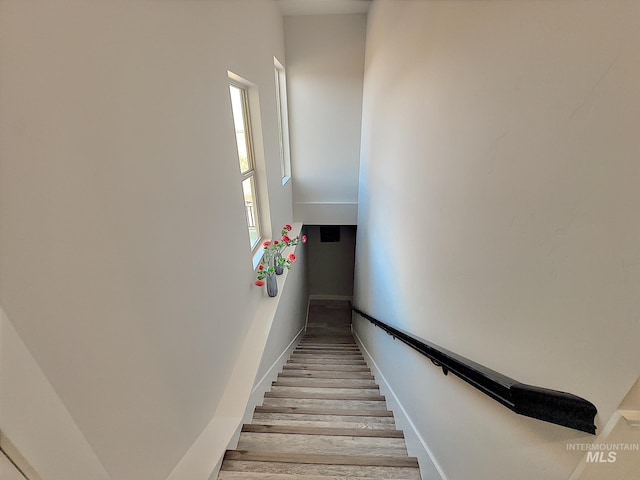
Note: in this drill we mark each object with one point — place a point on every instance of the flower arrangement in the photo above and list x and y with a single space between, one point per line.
272 260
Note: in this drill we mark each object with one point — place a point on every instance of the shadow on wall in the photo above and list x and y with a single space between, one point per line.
331 255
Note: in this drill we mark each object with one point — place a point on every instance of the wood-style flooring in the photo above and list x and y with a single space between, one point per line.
324 417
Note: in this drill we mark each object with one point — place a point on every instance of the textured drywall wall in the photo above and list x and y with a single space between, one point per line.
325 68
499 177
124 255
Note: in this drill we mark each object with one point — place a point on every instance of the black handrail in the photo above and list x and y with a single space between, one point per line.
542 403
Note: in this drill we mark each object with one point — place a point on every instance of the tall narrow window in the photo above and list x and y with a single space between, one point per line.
244 142
283 119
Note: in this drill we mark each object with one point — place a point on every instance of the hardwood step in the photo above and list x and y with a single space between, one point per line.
328 361
326 415
325 366
323 411
324 431
280 476
373 390
320 459
329 353
324 396
302 471
325 374
328 421
324 382
340 337
319 347
325 360
322 403
321 444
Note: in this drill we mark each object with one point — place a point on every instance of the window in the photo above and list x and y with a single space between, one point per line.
246 157
283 120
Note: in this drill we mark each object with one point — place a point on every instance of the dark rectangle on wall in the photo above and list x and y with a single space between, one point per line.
329 234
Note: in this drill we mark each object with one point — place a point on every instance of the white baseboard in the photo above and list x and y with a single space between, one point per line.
416 445
262 386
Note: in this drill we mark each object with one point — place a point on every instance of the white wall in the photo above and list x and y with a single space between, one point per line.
331 264
325 67
499 173
36 418
124 260
273 330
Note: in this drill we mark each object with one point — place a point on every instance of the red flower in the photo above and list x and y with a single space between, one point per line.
304 239
287 227
260 267
292 257
266 244
259 283
275 242
286 239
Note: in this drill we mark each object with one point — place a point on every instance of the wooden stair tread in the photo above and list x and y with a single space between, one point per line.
339 350
327 346
325 411
324 383
324 374
327 361
343 472
373 390
328 431
325 351
359 423
324 396
321 444
229 475
321 459
326 367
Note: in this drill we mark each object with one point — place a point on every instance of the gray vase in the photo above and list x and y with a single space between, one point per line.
272 285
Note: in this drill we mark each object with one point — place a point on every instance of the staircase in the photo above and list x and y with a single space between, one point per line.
324 417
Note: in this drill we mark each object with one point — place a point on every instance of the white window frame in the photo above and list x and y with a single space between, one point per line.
251 173
283 119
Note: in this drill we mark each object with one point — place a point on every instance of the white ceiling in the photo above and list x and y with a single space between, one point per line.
323 7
